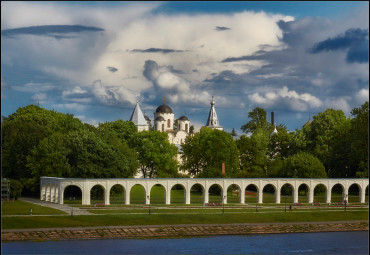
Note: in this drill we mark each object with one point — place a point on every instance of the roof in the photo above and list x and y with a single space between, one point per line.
307 123
146 118
183 117
164 109
159 118
137 116
274 132
212 117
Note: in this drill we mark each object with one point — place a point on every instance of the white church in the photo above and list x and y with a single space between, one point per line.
164 121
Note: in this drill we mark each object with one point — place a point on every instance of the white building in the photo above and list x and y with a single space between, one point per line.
212 121
138 118
164 120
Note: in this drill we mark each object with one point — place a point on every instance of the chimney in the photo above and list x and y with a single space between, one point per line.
272 118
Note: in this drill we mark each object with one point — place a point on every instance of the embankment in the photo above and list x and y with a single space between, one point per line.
177 231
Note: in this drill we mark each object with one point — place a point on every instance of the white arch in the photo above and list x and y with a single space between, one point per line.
53 186
109 189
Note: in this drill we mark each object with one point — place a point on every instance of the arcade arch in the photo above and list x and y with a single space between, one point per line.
117 194
157 194
215 193
303 193
251 194
97 193
72 194
286 193
52 189
197 194
320 193
178 194
137 194
337 193
354 192
269 194
233 194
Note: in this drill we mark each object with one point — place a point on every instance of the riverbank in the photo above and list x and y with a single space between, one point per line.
178 231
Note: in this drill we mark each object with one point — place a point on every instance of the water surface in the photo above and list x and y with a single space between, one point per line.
355 242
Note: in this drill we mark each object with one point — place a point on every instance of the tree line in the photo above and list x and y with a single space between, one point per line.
39 142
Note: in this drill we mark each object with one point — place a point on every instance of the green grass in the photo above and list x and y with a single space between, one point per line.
164 219
163 210
23 208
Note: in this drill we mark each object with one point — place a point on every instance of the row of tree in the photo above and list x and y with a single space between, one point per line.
38 142
331 145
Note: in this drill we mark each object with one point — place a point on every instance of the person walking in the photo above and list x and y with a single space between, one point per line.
290 207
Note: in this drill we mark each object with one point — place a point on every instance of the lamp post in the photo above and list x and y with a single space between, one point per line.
223 204
285 202
72 199
149 197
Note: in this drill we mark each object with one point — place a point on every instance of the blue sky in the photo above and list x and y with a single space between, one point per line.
95 59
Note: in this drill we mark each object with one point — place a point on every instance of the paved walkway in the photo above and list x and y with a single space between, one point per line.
64 208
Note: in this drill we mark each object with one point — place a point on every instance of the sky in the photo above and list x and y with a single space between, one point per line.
96 59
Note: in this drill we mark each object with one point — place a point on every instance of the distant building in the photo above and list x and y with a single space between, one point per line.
212 121
164 120
138 118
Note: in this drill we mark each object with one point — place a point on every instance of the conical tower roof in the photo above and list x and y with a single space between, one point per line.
212 121
274 132
137 116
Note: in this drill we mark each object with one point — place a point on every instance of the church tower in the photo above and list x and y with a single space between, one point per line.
212 121
137 117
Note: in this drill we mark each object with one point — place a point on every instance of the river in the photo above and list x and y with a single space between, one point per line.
355 242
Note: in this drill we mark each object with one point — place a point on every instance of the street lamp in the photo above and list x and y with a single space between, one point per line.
285 202
223 204
149 197
72 199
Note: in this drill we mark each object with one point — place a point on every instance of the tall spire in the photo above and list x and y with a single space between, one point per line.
137 117
212 121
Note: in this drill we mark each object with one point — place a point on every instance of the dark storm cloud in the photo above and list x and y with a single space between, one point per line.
55 31
156 50
355 40
222 28
112 69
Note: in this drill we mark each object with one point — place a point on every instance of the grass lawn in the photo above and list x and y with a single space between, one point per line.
23 208
164 219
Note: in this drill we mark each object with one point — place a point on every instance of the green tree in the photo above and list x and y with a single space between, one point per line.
204 153
302 165
23 130
155 154
233 132
48 158
191 129
279 143
16 188
359 148
254 154
258 121
123 129
324 130
92 157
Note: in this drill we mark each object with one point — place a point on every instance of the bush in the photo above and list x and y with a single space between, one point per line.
16 188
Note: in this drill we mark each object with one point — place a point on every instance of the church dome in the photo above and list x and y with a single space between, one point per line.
164 109
183 117
159 118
